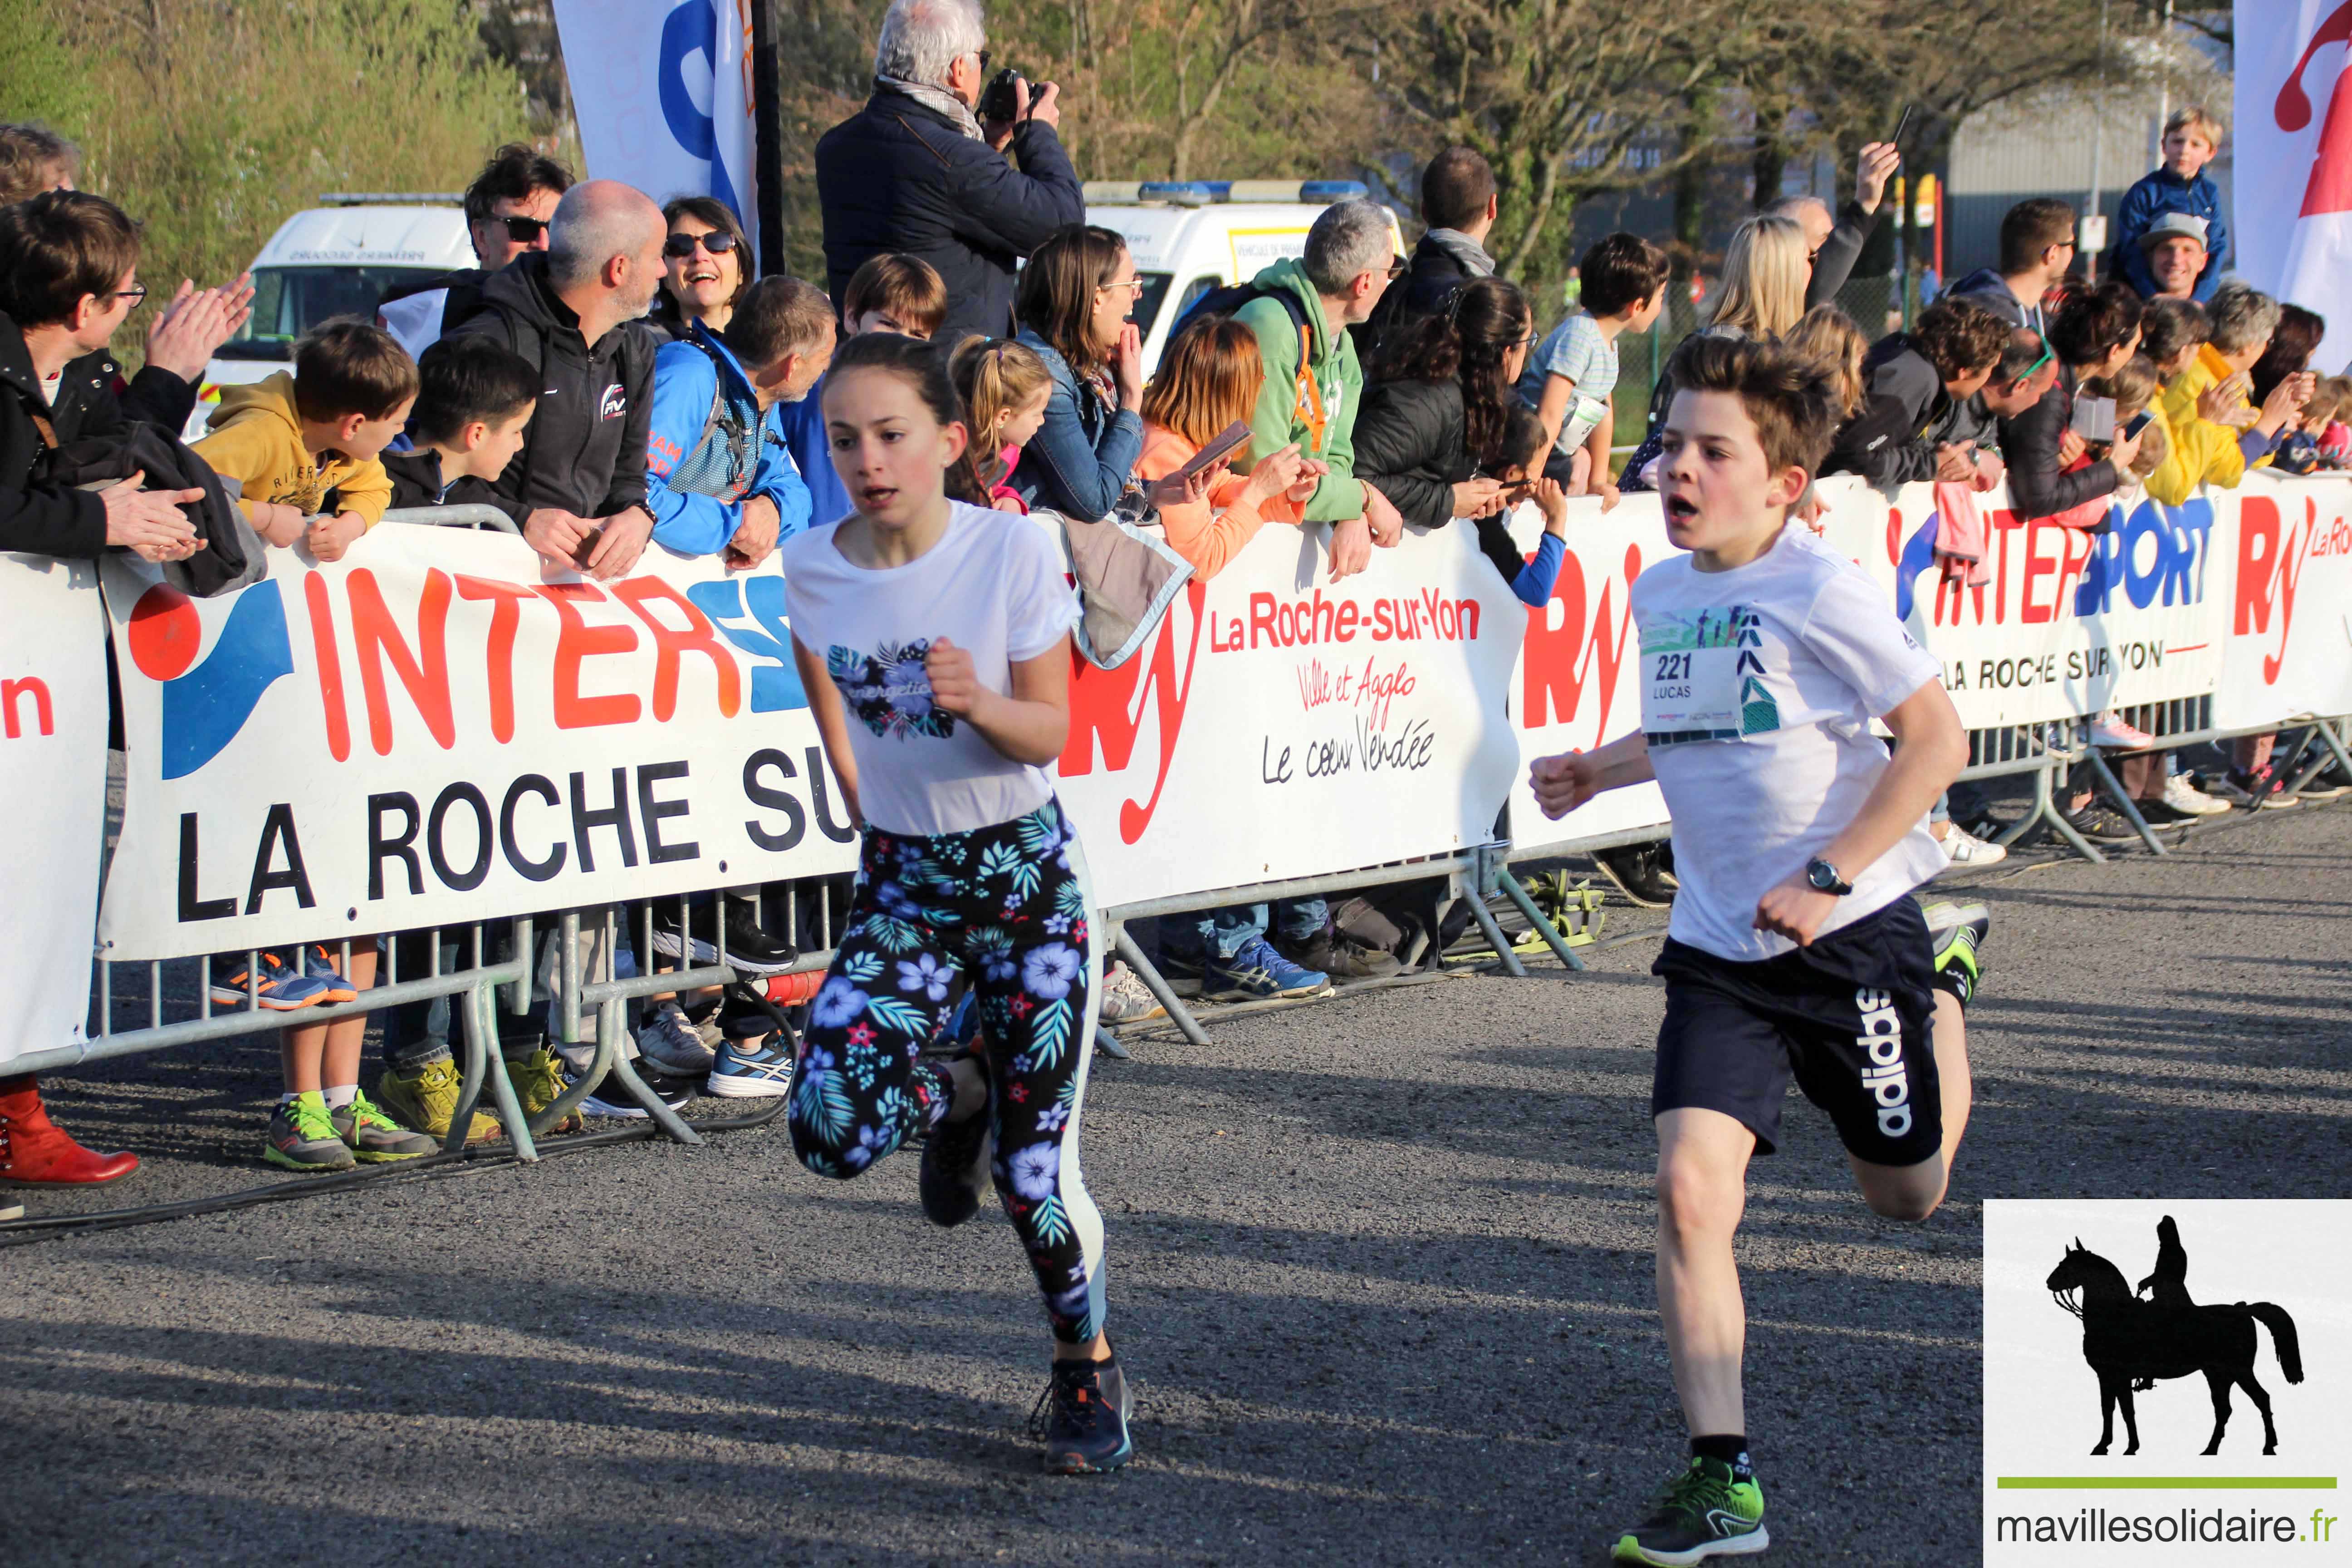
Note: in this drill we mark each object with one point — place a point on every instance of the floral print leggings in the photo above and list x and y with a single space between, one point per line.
1004 907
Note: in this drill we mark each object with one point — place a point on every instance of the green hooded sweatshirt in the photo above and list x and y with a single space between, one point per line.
1280 417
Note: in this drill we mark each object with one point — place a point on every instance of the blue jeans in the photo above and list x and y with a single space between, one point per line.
1221 933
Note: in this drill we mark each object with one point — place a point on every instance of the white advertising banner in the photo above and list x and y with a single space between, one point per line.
2068 623
2292 171
2289 649
662 92
53 778
429 731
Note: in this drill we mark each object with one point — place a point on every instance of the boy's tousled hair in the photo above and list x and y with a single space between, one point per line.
1456 188
1958 338
1208 377
2195 117
1620 272
907 289
469 378
775 317
2094 322
1787 396
2031 228
2168 326
58 247
992 376
350 366
33 159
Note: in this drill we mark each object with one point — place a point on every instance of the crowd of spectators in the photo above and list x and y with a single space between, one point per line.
614 374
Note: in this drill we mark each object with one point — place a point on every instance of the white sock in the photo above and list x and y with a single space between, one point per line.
342 1094
288 1097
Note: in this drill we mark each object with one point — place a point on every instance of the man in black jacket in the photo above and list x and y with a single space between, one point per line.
68 266
914 174
1836 243
1920 418
2092 335
1459 204
508 209
573 312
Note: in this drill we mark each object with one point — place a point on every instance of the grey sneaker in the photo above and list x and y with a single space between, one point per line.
374 1138
1125 999
671 1042
1082 1417
303 1137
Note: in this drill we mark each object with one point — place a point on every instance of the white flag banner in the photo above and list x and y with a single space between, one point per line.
53 780
662 91
2292 225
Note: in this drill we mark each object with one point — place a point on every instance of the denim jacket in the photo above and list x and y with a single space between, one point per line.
1084 453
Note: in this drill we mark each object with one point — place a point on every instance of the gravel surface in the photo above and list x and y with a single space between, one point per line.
1381 1267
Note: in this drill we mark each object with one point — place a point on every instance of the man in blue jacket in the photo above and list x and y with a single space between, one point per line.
2191 138
717 475
914 171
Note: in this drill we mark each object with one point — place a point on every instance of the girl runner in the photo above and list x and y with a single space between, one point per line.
942 693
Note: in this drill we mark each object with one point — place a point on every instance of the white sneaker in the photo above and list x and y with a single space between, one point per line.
2182 796
2108 729
670 1041
1965 851
1125 999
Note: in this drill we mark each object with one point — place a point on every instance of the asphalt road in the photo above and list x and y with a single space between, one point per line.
1381 1270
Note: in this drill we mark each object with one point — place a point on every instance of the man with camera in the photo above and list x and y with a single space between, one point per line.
917 171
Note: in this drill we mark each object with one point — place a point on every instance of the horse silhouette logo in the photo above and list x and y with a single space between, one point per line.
2131 1343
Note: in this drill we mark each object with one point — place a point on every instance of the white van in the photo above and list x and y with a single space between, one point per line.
335 261
1191 236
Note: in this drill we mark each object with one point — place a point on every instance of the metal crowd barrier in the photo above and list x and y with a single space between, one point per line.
461 516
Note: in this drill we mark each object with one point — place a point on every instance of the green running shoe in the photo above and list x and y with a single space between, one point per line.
374 1138
1704 1513
1958 931
303 1137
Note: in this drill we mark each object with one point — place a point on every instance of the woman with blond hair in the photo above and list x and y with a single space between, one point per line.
1765 270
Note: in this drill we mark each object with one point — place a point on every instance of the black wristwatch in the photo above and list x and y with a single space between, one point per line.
1824 876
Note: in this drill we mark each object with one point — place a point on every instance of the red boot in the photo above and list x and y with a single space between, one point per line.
34 1150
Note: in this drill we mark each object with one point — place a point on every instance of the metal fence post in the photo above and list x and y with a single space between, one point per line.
1487 926
1499 870
1157 983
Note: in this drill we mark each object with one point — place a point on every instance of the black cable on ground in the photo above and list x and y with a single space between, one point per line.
20 1233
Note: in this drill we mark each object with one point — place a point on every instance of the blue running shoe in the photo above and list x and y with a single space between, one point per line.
756 1068
1258 971
279 986
317 965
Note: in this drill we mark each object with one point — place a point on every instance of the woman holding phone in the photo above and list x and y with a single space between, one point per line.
1207 385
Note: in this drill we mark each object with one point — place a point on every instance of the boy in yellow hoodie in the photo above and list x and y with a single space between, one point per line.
304 449
297 443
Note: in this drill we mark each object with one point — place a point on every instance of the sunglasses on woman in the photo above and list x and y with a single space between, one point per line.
718 242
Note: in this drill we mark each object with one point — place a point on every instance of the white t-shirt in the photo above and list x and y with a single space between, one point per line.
995 586
1757 687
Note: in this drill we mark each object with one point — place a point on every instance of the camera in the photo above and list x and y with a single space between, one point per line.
998 100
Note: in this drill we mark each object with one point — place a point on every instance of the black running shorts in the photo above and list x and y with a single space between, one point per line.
1848 1017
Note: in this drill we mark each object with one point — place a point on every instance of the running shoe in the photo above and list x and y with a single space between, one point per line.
1964 851
2104 824
955 1167
2111 731
281 988
1332 954
753 1068
2185 797
611 1100
750 947
374 1138
1639 873
9 1211
1258 971
303 1137
318 966
2264 788
1704 1512
538 1079
1082 1417
1958 932
672 1044
1126 999
425 1099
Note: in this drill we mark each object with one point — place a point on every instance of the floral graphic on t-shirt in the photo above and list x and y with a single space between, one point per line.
889 690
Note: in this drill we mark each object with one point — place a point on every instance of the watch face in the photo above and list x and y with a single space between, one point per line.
1822 875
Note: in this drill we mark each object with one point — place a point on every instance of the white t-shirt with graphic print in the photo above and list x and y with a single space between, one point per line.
995 586
1758 685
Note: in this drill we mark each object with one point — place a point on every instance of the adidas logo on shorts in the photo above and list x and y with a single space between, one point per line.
1887 1080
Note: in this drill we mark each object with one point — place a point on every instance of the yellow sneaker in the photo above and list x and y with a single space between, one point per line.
426 1099
537 1080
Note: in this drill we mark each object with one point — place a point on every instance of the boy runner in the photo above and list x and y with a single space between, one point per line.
1795 950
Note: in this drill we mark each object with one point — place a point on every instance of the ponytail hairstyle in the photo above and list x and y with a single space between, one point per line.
922 366
993 378
1482 321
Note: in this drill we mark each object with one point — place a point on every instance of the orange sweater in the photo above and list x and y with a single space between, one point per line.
1209 533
